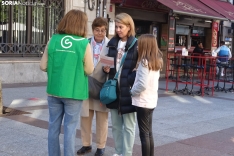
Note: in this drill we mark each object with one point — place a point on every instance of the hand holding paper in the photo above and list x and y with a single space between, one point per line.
107 61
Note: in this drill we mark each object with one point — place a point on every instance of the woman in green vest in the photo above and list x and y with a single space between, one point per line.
67 59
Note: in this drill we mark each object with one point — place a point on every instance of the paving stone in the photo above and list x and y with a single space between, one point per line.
183 125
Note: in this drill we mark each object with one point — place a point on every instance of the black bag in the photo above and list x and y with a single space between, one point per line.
94 88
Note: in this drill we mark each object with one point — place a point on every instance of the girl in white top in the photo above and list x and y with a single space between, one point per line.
145 89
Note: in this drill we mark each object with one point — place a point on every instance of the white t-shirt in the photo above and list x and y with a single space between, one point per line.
121 47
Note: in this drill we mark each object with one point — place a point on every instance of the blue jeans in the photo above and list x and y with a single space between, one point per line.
123 130
60 108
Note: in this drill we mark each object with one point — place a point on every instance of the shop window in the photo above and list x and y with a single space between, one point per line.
142 27
181 40
198 31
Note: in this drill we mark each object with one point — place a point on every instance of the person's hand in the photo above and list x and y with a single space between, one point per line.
106 69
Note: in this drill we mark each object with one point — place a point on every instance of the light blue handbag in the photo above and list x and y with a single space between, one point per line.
108 91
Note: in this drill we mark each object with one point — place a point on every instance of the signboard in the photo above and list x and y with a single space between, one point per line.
149 5
111 27
171 45
164 37
215 29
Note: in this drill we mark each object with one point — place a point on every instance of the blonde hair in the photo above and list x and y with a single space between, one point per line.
74 23
148 51
127 20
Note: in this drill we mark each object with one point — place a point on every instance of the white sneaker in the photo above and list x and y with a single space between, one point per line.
222 74
117 155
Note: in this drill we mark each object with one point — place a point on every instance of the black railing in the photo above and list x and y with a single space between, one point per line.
27 25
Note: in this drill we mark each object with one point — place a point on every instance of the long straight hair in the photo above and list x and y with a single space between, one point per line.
149 53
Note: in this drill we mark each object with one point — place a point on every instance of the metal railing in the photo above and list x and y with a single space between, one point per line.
27 25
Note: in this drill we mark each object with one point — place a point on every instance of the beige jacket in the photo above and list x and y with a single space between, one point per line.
99 75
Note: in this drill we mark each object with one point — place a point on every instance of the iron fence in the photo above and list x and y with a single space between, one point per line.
27 25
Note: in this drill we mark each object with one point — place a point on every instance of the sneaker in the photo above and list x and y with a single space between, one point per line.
84 149
117 155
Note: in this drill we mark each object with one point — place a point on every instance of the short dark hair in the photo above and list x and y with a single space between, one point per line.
222 42
99 22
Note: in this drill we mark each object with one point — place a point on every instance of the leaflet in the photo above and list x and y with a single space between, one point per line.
107 61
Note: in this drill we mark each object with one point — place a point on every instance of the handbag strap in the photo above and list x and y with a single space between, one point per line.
124 56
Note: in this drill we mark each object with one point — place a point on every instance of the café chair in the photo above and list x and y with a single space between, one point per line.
176 66
185 91
231 66
171 76
210 73
196 67
225 66
202 82
221 63
185 66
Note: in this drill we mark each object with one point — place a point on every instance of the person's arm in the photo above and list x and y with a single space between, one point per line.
194 50
106 69
201 49
217 50
88 61
141 83
132 74
44 59
131 77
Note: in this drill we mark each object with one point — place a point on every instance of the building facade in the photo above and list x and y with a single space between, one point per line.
26 28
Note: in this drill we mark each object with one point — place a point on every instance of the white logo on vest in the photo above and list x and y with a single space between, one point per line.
65 43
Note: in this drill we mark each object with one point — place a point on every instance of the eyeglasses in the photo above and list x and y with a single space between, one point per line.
100 31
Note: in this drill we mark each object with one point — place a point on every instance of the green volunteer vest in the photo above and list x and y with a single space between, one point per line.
65 70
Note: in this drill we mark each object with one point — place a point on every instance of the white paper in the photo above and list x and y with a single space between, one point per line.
214 54
107 61
184 52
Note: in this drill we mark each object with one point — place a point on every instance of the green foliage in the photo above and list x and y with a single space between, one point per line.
3 13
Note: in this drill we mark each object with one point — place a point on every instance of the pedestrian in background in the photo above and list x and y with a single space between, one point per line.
197 52
224 54
68 60
123 121
98 47
145 89
199 48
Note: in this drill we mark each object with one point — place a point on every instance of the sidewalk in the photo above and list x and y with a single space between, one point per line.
183 125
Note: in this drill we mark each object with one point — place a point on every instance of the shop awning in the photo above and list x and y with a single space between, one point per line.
192 8
116 1
224 8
